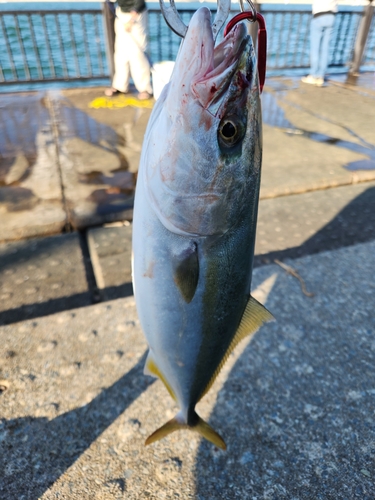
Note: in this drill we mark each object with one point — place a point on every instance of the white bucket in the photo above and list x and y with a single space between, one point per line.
161 74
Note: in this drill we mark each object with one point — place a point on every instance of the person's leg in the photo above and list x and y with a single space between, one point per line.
315 41
139 63
121 56
327 31
316 34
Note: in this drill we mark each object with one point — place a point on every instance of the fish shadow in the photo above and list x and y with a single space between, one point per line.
56 444
297 409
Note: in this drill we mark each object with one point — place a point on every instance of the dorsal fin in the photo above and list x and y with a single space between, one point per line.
254 316
151 368
186 273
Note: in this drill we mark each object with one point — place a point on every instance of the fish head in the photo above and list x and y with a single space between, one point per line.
202 149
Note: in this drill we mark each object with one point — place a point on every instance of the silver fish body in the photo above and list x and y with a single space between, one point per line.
195 217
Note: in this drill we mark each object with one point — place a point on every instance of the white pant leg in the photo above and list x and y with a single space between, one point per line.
130 55
139 63
121 55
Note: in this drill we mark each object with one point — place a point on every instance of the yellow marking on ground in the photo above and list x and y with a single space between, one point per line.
121 101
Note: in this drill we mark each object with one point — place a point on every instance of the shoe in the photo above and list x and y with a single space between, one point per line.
143 96
319 82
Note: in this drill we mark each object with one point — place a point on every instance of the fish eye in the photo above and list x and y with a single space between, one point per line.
231 130
228 130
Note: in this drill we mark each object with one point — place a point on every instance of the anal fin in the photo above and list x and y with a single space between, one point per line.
151 368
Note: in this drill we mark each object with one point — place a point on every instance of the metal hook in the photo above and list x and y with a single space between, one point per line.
172 18
252 9
223 9
174 21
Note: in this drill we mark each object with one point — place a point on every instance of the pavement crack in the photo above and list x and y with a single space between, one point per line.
91 278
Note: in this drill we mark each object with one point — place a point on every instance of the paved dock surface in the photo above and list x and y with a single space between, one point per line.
295 405
68 161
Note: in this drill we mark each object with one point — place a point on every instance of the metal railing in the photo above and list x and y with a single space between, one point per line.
53 45
56 45
288 34
288 48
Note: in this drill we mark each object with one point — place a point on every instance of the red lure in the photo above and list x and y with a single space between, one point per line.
262 41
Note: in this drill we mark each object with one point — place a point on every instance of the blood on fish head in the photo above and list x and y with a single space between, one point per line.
195 59
202 71
208 117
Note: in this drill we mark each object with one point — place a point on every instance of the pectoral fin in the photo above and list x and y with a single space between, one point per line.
186 272
254 316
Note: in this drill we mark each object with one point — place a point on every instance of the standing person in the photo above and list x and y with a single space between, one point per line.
321 30
130 49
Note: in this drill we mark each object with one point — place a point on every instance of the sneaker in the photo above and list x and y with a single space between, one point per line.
143 96
319 82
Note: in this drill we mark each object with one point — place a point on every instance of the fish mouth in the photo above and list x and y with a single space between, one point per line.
223 56
203 72
223 62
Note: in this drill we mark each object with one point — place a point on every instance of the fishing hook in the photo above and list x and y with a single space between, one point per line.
174 21
252 10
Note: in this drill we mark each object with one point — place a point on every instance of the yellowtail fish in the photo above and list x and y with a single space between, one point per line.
195 217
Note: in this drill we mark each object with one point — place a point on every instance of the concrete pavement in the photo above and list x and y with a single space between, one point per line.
295 406
44 275
66 164
63 167
316 193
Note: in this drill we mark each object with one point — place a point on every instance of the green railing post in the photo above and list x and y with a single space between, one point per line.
109 29
360 42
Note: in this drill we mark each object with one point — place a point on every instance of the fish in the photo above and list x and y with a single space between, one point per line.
195 215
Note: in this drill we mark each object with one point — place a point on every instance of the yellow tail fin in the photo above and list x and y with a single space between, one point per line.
202 427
